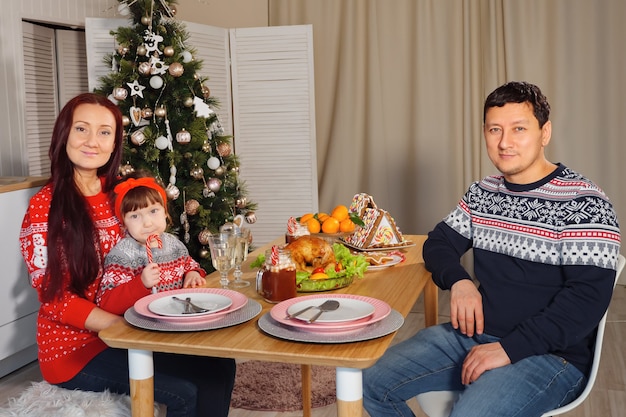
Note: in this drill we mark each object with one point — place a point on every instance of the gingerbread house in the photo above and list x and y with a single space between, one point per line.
380 228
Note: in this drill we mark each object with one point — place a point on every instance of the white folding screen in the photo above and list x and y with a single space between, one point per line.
71 64
212 48
40 89
274 114
263 79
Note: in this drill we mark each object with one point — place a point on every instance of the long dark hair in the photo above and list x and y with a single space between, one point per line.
73 244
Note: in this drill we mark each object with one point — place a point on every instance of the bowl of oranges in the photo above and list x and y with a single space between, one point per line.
339 223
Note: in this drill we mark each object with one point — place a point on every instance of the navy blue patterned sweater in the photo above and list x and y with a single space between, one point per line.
545 256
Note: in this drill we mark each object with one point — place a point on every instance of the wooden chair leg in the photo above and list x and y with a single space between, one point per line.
306 390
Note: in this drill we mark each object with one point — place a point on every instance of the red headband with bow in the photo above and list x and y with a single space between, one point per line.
122 188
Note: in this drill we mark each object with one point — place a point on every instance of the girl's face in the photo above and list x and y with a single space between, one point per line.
145 222
92 137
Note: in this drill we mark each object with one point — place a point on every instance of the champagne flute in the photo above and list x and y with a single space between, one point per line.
242 240
222 249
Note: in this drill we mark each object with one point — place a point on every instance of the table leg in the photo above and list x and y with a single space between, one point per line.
431 304
349 392
141 374
306 390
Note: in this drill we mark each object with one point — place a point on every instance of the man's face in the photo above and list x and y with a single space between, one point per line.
515 142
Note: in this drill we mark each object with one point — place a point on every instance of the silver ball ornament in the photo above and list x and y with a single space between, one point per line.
187 57
176 69
188 102
213 162
125 120
160 112
126 169
214 184
203 253
191 207
144 68
241 202
197 173
183 137
142 50
156 82
137 137
161 143
251 217
172 191
168 51
224 149
120 93
204 236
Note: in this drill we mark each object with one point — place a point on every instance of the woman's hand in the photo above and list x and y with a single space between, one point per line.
100 319
193 279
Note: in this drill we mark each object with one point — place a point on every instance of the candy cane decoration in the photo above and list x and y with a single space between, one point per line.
291 225
274 255
149 240
159 244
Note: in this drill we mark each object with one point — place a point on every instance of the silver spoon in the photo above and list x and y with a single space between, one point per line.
328 305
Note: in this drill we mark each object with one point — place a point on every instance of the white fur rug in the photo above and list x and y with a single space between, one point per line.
45 400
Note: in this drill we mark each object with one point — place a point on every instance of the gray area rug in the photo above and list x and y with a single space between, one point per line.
272 386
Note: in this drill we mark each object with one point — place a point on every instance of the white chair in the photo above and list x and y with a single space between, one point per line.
440 403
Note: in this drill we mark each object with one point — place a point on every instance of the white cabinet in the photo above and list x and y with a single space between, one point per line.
18 300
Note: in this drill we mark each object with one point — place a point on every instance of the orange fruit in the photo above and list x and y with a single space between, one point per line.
330 225
347 226
340 212
322 217
313 225
318 275
305 218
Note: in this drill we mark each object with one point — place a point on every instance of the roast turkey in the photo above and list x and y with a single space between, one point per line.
310 252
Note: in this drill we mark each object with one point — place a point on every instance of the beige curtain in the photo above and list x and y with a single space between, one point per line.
400 86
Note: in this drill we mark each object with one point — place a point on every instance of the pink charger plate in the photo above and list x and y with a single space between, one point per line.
381 310
239 300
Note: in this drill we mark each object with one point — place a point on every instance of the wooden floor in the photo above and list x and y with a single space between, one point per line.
608 397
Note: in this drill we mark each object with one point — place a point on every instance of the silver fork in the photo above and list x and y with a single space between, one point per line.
189 306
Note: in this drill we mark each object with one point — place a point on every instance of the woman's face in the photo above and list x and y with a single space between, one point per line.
91 140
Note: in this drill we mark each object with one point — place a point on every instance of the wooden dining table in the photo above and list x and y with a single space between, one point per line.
400 286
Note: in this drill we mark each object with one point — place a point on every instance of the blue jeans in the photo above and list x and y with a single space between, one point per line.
189 386
431 361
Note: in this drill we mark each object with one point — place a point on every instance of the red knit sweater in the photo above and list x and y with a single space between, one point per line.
65 346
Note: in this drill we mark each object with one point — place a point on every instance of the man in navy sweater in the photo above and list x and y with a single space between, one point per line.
545 242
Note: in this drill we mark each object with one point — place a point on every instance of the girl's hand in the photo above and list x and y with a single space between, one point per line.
193 279
150 276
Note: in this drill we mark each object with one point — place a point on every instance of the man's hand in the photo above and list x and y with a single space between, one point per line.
482 358
466 308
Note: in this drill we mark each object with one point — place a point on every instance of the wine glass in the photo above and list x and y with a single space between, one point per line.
242 240
222 248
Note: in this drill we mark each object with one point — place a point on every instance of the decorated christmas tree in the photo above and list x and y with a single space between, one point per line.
171 127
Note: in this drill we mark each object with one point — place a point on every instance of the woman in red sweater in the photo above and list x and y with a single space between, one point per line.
67 231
